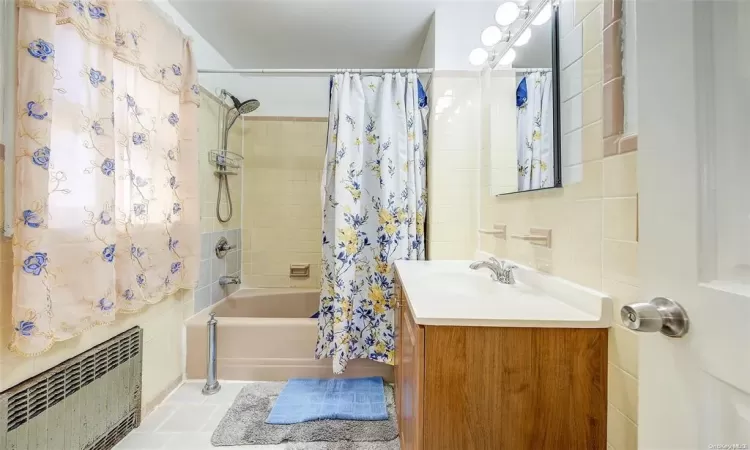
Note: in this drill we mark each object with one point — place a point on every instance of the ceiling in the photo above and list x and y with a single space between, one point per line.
312 34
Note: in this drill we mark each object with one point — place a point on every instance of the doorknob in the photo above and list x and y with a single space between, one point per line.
660 314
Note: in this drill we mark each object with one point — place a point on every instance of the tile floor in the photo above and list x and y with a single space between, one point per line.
186 420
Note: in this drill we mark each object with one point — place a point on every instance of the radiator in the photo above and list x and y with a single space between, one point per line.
89 402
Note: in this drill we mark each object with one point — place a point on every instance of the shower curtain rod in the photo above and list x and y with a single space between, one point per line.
321 71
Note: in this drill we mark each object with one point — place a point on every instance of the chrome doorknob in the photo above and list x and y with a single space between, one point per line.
660 314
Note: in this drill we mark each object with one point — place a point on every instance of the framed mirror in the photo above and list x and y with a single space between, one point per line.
524 107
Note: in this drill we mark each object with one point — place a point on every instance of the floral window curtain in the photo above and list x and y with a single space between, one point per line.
106 202
535 137
374 211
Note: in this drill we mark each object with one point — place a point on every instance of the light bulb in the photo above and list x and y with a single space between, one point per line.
491 36
507 13
507 58
478 56
523 39
544 15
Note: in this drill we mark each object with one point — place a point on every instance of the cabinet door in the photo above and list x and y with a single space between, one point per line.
412 371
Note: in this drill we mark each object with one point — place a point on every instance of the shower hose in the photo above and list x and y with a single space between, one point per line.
223 183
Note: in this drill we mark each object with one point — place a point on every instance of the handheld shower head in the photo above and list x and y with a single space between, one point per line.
236 102
247 106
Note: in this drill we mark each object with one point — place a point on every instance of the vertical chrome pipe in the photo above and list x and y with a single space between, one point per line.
212 384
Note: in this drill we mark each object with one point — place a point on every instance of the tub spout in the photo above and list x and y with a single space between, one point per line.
227 280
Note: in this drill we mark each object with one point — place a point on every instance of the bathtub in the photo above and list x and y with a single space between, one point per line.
267 335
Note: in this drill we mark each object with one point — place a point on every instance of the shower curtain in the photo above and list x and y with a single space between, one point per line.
535 137
106 204
374 199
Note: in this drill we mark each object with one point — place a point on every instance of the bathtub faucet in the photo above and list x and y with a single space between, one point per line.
226 280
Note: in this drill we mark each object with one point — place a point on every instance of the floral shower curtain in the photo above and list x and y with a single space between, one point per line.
374 210
106 166
535 137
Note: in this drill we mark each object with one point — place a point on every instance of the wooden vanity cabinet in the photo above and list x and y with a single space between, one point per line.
493 388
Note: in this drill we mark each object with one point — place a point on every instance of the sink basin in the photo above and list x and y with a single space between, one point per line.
450 293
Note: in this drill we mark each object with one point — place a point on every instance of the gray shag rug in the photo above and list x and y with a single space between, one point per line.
245 424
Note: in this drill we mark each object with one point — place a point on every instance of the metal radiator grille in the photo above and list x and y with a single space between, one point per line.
86 402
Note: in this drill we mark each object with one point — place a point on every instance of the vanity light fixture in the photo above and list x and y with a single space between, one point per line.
544 15
507 58
523 39
507 13
478 56
492 35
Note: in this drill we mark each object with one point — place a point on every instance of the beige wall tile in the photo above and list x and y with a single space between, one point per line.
591 185
584 240
621 293
592 29
591 140
623 392
620 261
592 67
592 104
623 349
281 203
620 218
611 145
622 433
619 175
585 7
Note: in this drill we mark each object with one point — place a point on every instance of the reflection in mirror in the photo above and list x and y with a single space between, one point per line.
524 113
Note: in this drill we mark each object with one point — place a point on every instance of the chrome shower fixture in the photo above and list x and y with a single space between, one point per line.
225 160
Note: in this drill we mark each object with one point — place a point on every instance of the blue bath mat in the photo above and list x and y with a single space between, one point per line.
306 399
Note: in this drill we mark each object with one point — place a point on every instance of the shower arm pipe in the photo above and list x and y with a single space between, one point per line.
321 71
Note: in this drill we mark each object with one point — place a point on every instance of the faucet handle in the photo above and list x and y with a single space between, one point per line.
495 261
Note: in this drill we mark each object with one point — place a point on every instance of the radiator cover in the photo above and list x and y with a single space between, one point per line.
89 402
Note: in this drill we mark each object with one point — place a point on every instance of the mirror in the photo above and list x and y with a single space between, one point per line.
524 112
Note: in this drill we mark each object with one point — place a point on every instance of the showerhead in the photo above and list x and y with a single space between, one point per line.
237 110
245 107
249 106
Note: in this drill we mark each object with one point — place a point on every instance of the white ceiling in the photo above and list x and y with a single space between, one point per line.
312 34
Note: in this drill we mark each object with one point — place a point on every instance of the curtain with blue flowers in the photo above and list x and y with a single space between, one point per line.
106 207
374 195
535 133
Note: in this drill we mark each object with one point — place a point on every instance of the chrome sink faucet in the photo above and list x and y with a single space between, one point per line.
502 271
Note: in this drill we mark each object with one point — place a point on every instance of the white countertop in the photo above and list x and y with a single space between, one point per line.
447 292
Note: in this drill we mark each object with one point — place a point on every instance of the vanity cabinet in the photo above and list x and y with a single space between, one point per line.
484 387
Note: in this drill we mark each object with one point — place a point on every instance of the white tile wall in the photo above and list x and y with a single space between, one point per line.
572 174
571 81
571 47
571 93
567 16
572 149
572 114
